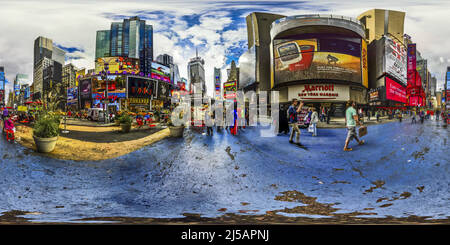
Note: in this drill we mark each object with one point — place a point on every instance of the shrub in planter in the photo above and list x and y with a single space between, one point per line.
125 121
176 131
46 131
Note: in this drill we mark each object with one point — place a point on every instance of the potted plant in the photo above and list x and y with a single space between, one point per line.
176 131
46 131
125 121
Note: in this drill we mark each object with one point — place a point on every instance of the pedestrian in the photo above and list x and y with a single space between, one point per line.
293 111
351 119
422 116
314 121
413 117
209 121
5 113
377 115
307 119
283 126
328 114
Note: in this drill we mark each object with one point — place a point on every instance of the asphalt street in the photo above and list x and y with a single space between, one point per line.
401 171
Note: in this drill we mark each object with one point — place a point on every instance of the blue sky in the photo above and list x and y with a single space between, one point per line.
216 28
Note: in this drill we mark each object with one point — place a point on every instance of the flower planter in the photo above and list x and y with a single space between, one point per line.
126 127
176 131
45 145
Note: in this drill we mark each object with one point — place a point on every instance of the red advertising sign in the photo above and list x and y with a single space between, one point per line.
395 91
411 66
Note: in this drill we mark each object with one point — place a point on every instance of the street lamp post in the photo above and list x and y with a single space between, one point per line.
105 78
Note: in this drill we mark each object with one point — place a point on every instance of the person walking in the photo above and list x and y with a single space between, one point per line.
209 122
422 116
413 117
314 121
5 113
377 115
283 126
328 114
351 119
293 112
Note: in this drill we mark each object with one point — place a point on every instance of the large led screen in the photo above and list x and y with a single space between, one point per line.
317 58
160 72
395 91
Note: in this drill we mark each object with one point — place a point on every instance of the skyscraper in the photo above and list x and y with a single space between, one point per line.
132 38
196 75
69 75
46 55
379 22
164 59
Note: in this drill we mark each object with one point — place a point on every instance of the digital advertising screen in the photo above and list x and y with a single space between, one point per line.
160 72
140 87
118 65
229 89
317 58
395 91
395 60
85 88
72 95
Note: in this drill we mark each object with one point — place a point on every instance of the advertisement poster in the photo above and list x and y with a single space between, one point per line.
116 84
448 81
118 65
160 72
72 96
229 89
140 87
411 66
85 88
395 91
364 64
163 90
395 60
300 60
317 92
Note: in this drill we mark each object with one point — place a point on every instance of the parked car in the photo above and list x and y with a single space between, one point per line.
95 114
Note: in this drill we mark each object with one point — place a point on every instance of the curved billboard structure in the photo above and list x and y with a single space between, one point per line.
320 48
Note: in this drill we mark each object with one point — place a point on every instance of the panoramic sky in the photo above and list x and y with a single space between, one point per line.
216 28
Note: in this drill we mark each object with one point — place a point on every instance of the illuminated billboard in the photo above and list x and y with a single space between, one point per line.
85 88
141 87
116 84
395 91
318 58
72 95
411 65
160 72
395 60
229 89
118 65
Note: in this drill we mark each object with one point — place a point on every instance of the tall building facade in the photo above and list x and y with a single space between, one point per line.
196 74
167 60
258 34
164 59
46 55
69 72
379 22
131 38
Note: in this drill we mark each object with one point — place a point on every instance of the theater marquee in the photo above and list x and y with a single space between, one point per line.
316 92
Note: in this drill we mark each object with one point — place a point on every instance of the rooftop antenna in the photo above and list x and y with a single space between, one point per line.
196 52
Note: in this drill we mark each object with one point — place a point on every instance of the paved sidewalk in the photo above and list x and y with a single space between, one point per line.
339 122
